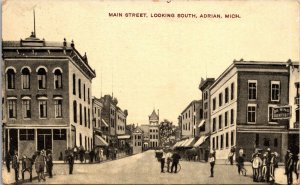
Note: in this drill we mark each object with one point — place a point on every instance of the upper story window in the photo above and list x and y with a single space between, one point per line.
12 108
252 89
83 92
11 78
220 122
226 119
226 95
220 99
26 106
25 78
42 81
58 108
88 96
270 111
231 116
57 79
232 91
214 104
74 84
43 108
79 88
75 111
275 90
214 125
251 113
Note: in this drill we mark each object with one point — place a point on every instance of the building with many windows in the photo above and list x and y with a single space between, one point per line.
151 131
47 97
242 101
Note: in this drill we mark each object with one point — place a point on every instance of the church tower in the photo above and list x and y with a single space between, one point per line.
154 118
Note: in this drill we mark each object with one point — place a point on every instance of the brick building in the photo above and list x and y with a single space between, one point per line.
242 101
46 97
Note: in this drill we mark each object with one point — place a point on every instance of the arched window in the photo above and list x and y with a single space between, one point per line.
57 79
25 78
75 111
11 77
42 78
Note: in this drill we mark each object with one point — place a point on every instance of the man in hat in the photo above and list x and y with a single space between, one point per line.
273 164
212 159
256 164
286 157
71 162
290 167
268 163
16 165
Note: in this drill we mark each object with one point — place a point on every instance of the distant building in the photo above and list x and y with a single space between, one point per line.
190 117
151 131
242 101
47 97
137 140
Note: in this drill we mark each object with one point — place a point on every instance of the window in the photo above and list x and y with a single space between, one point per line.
58 108
42 78
232 91
79 88
217 142
275 142
251 113
11 77
266 142
74 84
205 105
189 126
26 134
12 108
220 99
297 115
80 114
231 117
43 108
75 111
25 78
85 120
59 134
214 143
226 95
270 111
214 124
57 79
252 85
214 104
83 92
275 90
226 119
227 140
89 122
88 95
222 141
220 122
26 108
232 138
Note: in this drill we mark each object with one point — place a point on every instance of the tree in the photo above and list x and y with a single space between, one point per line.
166 131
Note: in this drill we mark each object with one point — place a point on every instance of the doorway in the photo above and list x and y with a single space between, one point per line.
13 141
44 139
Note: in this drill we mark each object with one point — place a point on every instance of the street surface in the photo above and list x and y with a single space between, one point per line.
140 169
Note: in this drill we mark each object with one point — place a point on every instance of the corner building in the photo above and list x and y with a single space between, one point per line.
47 97
242 101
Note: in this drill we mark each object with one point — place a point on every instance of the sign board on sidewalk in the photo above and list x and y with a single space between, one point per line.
281 112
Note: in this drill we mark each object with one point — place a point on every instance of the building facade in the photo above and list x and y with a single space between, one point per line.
42 80
137 140
190 117
242 100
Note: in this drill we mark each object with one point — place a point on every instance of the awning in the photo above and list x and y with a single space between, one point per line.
99 141
124 137
104 122
200 141
201 123
188 143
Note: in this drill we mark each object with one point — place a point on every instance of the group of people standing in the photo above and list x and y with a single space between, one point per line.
40 159
169 158
84 155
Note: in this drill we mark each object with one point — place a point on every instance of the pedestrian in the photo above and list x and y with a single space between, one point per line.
49 164
169 159
15 165
298 167
286 158
107 153
212 159
256 164
26 166
40 166
268 163
7 161
162 161
75 150
71 162
81 154
290 167
240 162
97 155
231 154
175 161
273 165
92 155
264 167
101 154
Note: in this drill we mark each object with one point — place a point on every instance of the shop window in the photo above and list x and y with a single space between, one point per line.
59 134
275 142
266 142
26 134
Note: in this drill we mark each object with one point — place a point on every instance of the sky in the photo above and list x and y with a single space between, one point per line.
157 63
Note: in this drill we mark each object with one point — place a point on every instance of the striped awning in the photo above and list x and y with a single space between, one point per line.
200 141
104 122
188 142
99 141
